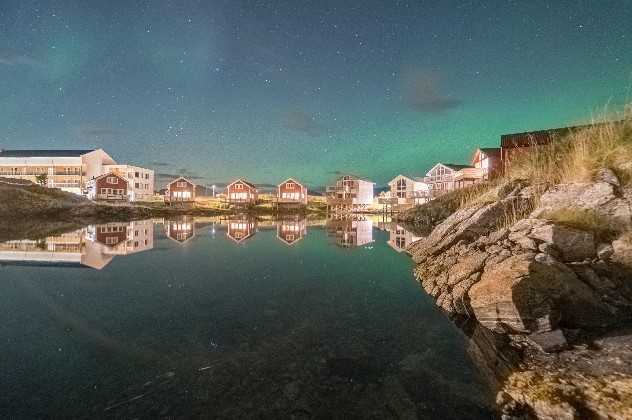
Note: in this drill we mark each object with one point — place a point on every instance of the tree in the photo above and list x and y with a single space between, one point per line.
41 179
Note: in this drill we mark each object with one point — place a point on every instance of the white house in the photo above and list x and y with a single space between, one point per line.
350 194
408 191
440 178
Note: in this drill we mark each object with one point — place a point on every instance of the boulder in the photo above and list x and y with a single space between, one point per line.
467 225
466 266
587 196
549 341
459 293
521 291
604 197
622 250
574 244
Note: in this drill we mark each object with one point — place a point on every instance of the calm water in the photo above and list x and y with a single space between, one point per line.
227 319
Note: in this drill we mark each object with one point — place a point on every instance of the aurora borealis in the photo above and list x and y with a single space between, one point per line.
270 89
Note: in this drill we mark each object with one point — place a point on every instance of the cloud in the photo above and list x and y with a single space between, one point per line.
302 122
13 59
159 164
421 93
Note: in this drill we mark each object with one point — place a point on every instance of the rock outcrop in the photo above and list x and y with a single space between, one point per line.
536 276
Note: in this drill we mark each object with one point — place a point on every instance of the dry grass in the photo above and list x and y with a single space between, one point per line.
583 219
576 157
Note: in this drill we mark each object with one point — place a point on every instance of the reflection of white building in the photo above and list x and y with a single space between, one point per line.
400 238
351 231
94 246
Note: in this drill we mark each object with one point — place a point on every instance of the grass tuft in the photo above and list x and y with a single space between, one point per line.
577 156
583 219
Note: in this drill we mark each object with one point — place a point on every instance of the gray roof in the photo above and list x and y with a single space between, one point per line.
456 167
44 153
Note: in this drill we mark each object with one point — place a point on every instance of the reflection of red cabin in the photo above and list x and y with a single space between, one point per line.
487 159
240 230
111 234
242 192
109 187
291 231
291 191
180 230
180 190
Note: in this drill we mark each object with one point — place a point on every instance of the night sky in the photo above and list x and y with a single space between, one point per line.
217 89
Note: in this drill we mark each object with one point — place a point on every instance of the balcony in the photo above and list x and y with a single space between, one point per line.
469 174
111 197
438 178
347 189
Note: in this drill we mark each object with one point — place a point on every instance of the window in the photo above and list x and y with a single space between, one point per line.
290 185
136 185
181 184
104 191
146 176
239 186
111 240
136 174
400 188
112 180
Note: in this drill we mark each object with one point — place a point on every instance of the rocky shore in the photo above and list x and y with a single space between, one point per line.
550 268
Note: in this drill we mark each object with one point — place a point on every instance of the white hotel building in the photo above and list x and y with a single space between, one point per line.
70 170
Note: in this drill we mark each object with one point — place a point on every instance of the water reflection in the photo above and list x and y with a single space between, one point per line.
399 237
292 231
350 231
93 246
181 229
290 326
96 245
240 230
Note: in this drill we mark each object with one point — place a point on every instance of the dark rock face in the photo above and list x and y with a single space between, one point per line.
540 282
532 276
